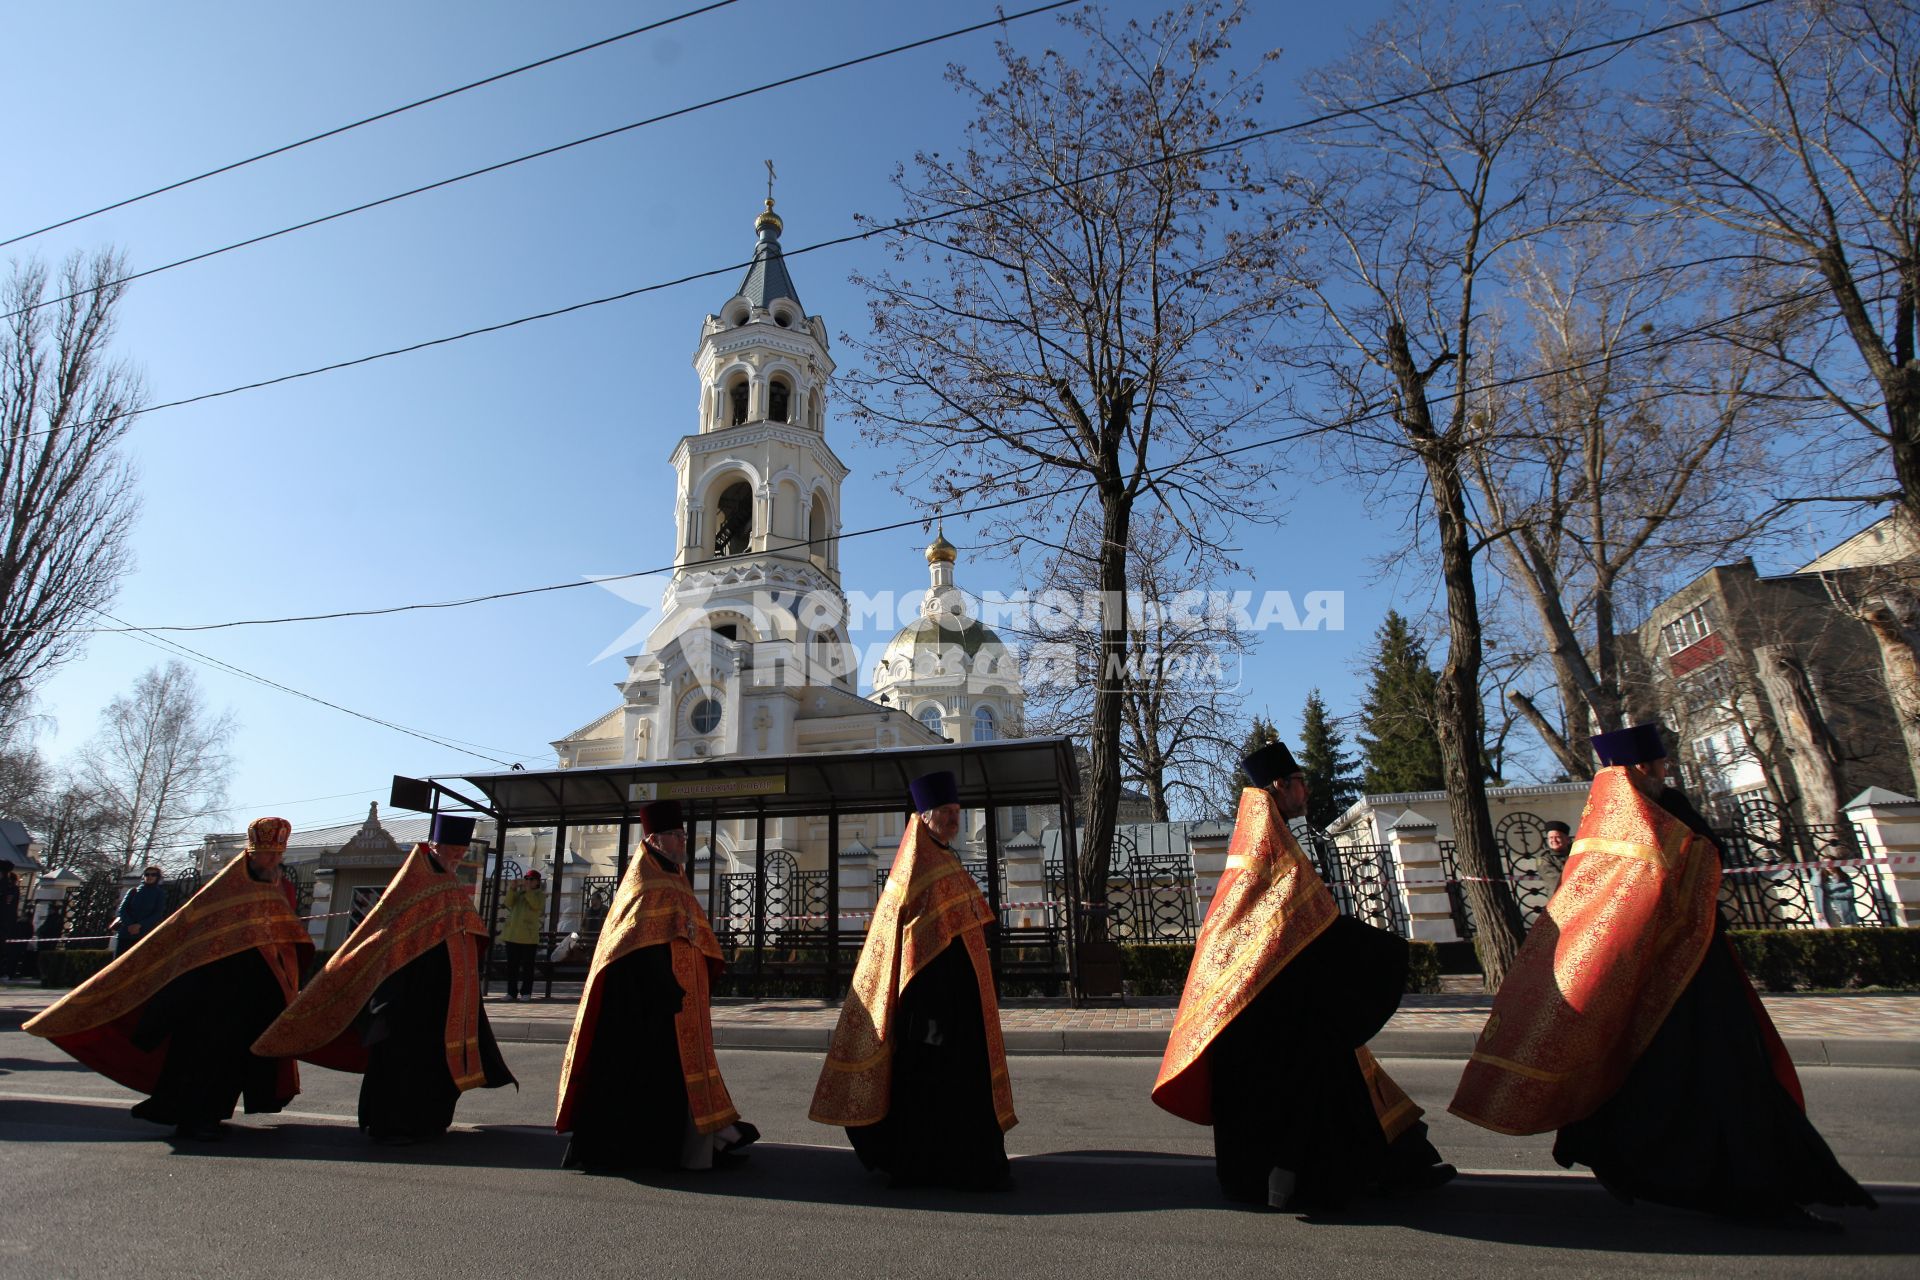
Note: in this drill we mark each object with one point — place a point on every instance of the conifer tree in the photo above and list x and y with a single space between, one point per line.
1332 784
1398 747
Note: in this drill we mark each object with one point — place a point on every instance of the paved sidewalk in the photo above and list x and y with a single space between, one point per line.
1870 1029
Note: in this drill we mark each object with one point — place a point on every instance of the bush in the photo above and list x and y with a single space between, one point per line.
1830 959
1160 968
70 968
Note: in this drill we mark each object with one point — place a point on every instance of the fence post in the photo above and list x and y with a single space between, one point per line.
856 886
1208 843
1421 878
1890 826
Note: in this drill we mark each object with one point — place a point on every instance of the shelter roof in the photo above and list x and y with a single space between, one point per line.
1010 772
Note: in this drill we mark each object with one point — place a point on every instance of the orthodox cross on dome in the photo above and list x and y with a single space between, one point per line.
769 184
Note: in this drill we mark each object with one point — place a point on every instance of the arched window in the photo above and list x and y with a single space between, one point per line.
819 532
778 396
736 519
813 411
930 717
984 728
737 397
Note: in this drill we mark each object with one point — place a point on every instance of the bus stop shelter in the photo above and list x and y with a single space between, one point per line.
781 950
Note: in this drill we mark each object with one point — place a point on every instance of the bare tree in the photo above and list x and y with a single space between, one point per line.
1623 457
1075 316
1416 208
1180 699
77 827
66 495
159 763
1790 134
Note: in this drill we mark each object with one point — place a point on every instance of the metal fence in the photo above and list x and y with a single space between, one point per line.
1776 874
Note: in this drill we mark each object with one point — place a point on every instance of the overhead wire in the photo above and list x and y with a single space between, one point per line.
601 136
1346 423
388 114
146 635
905 224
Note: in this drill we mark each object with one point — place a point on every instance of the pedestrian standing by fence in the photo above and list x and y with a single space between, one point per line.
144 907
10 951
526 906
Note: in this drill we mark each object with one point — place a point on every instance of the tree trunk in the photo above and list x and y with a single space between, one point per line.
1103 773
1887 619
1810 744
1458 720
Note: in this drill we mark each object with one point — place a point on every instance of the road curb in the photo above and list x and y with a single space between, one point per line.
1806 1051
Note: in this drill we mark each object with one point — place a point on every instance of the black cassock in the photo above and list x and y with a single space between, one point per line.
941 1128
407 1090
1701 1121
209 1018
1288 1091
632 1111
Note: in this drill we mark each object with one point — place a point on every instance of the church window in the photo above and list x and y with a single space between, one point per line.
819 532
736 519
1017 819
737 397
930 717
783 318
984 728
705 716
778 396
727 631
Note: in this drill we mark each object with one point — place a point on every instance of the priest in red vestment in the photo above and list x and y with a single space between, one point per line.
917 1072
1627 1023
174 1014
640 1087
399 1002
1269 1044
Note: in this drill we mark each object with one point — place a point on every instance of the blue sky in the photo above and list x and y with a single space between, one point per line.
517 459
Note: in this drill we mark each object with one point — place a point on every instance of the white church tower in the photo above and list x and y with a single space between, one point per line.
751 655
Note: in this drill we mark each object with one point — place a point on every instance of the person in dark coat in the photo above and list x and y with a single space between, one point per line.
917 1071
10 952
1654 1059
1269 1044
144 907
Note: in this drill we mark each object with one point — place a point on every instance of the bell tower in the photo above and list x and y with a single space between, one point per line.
753 629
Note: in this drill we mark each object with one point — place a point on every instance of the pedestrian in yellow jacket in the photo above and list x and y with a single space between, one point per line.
526 905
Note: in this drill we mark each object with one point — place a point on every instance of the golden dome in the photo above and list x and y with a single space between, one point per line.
941 550
769 219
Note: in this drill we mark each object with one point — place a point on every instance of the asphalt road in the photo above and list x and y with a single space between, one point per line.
1106 1185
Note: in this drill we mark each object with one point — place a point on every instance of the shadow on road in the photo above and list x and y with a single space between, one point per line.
1512 1209
1575 1213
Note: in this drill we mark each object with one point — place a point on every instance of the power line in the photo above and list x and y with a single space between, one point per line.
1348 423
922 220
553 150
145 635
388 114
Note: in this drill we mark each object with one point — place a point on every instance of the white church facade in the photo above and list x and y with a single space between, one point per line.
751 655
